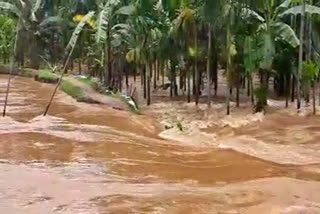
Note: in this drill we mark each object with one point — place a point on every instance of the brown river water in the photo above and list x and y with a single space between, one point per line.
92 159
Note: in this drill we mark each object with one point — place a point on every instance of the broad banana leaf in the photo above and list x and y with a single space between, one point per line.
52 20
102 25
103 20
75 35
286 33
127 10
310 9
10 8
36 6
247 13
285 4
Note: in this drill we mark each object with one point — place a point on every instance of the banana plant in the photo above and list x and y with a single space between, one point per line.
69 50
271 29
32 21
106 20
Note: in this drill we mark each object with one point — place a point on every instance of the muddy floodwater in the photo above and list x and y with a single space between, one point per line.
85 158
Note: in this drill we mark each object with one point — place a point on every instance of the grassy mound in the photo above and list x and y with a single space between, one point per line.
90 82
47 77
74 91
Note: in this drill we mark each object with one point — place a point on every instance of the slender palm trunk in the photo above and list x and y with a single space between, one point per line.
105 65
108 59
158 69
238 90
293 88
127 78
189 84
209 62
252 90
314 98
215 73
148 72
80 53
164 66
228 68
155 75
309 53
301 54
287 89
145 82
249 87
140 70
197 86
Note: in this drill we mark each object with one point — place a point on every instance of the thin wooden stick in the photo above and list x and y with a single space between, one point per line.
8 87
58 84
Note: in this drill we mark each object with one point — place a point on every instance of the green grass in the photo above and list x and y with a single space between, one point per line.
73 91
47 76
90 82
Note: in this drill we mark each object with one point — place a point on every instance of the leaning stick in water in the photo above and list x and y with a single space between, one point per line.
8 87
12 60
58 84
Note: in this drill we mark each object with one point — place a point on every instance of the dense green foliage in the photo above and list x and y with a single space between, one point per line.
185 42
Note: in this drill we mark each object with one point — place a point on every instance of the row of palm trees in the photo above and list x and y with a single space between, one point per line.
186 41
